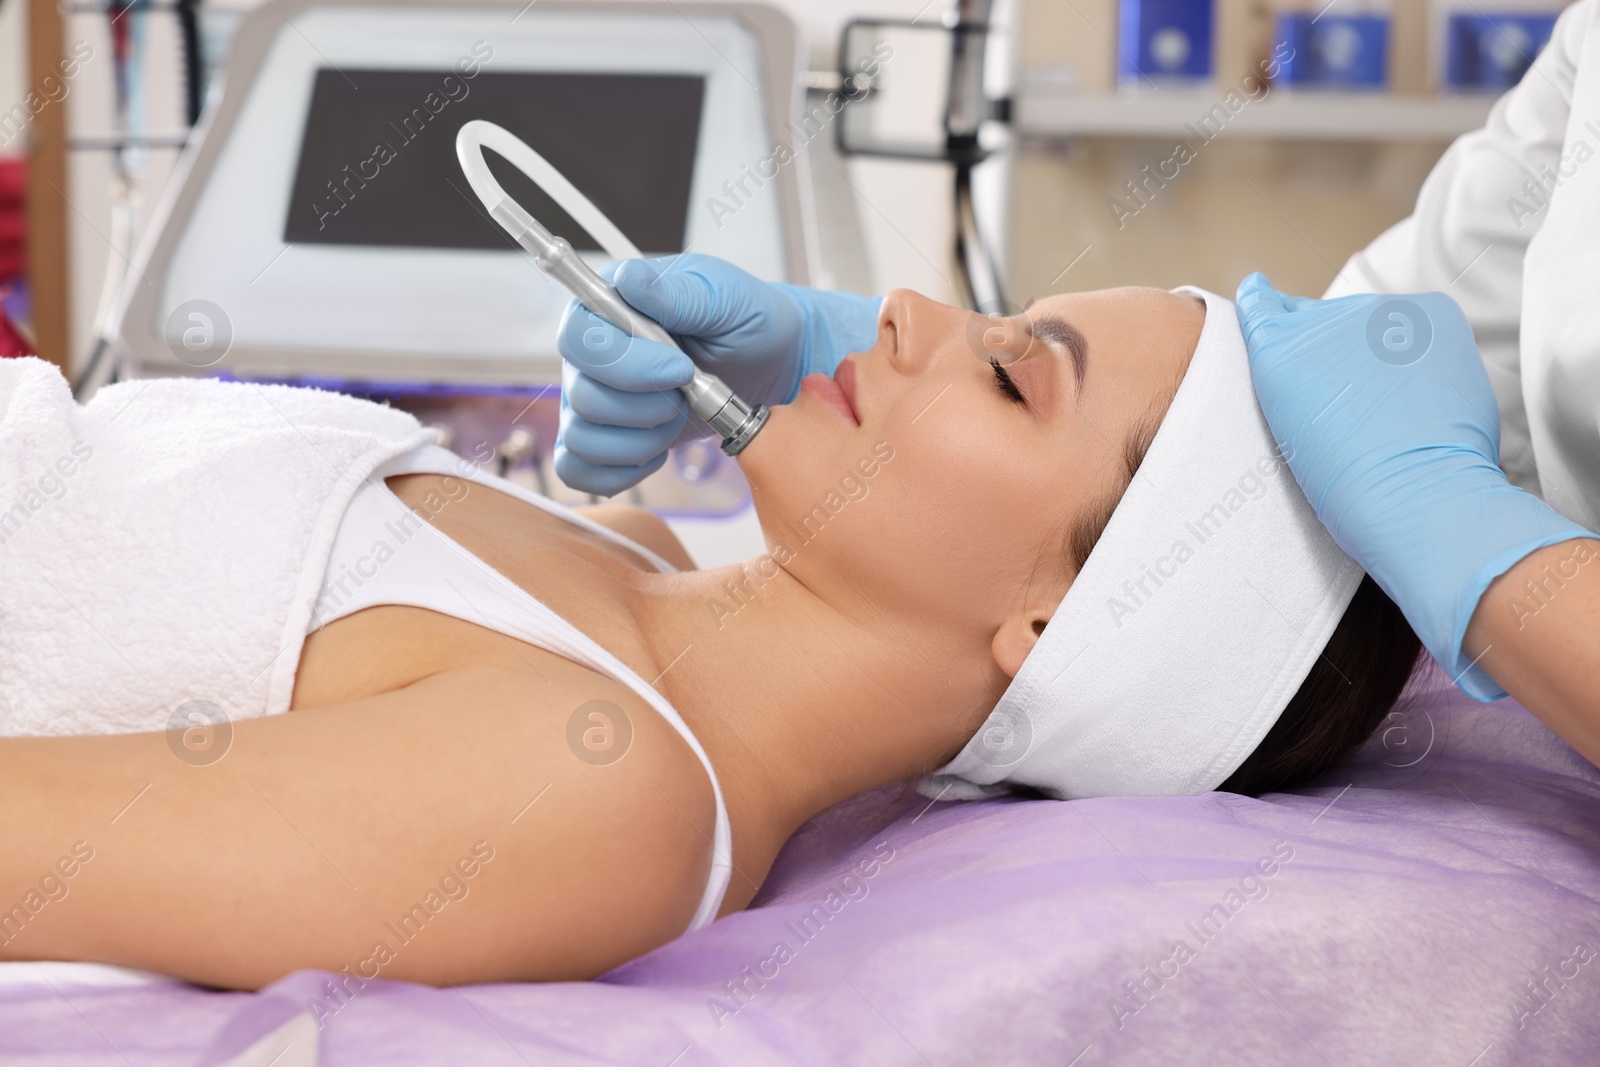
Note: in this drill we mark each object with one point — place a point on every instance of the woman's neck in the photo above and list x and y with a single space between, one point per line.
801 702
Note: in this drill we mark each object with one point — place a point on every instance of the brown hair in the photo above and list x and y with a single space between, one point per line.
1349 690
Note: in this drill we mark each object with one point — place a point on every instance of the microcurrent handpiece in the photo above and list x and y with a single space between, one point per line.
712 400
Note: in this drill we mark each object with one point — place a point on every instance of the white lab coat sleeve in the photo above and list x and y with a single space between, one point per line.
1473 220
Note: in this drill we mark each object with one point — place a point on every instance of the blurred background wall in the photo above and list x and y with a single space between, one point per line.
1293 204
1294 208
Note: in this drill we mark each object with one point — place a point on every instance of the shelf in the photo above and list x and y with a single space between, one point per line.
1303 117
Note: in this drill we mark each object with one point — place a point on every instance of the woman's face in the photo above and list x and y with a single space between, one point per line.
921 484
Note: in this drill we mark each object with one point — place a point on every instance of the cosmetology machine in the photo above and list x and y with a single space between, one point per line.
956 111
320 230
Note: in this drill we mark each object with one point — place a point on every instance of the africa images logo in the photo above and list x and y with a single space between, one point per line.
1399 332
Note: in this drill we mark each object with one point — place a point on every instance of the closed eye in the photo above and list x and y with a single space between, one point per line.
1007 386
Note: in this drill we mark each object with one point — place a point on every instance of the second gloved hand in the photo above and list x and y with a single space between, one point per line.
620 408
1384 412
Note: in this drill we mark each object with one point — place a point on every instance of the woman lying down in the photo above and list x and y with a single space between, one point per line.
287 685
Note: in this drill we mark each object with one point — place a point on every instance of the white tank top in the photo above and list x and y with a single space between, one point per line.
385 553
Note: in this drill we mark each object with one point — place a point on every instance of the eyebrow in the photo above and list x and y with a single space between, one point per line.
1055 330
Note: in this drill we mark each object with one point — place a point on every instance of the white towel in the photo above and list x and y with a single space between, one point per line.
165 542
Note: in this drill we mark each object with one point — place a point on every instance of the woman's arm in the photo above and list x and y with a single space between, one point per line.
1537 630
441 832
1384 414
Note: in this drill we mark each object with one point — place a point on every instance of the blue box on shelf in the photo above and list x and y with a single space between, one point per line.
1164 41
1493 51
1333 51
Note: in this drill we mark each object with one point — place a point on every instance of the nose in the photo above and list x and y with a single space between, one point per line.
894 316
915 331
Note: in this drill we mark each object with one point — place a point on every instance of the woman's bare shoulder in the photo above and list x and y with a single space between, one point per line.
641 525
482 824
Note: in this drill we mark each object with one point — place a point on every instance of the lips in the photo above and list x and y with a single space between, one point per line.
845 375
837 394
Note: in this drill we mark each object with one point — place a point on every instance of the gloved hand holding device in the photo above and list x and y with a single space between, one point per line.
1384 412
620 409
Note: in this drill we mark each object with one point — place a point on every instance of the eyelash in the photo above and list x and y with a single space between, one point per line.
1007 386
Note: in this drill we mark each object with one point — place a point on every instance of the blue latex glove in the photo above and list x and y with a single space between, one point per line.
620 408
1384 412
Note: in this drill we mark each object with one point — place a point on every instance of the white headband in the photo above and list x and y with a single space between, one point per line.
1195 619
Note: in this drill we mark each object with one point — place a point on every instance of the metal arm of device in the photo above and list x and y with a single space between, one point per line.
967 109
972 27
709 398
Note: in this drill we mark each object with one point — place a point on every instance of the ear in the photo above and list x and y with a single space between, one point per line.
1016 637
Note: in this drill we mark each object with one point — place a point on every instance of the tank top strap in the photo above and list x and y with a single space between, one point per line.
385 553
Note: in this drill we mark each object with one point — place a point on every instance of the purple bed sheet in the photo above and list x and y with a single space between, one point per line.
1434 900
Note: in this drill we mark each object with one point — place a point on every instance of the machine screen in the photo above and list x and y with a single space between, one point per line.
378 162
